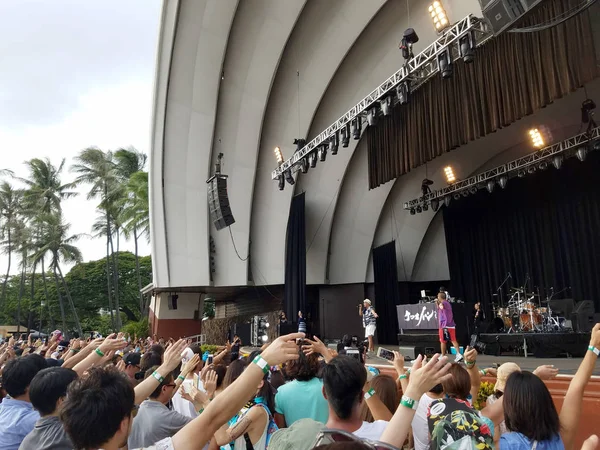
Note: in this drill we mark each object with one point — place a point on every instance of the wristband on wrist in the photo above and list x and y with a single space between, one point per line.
370 393
470 363
74 350
594 350
99 352
408 372
181 377
482 372
260 362
201 411
158 377
409 402
404 376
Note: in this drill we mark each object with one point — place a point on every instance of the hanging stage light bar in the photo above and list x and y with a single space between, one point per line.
386 105
335 143
403 92
445 64
313 160
323 152
356 128
372 116
418 70
346 135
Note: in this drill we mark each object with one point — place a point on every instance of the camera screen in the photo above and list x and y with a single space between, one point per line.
385 354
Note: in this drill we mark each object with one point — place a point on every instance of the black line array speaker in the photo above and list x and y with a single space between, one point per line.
501 14
583 318
218 202
172 301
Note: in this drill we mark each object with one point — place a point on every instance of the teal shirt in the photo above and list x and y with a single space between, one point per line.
302 400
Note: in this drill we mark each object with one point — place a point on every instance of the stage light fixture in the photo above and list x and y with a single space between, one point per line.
521 173
531 170
425 189
372 116
408 39
313 159
447 200
439 16
425 207
502 181
467 46
450 177
281 182
323 153
581 153
356 128
403 92
557 161
490 186
346 135
412 211
536 138
386 105
543 165
435 204
334 143
278 155
465 193
445 64
473 190
457 196
304 164
419 209
289 177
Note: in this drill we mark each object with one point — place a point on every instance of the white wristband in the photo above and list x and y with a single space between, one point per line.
595 350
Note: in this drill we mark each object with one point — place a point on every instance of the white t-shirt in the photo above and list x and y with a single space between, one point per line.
419 423
371 431
183 406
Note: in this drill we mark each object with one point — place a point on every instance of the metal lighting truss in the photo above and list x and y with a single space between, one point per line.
509 169
417 70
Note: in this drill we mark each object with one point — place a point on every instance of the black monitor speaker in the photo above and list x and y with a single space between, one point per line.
218 202
563 307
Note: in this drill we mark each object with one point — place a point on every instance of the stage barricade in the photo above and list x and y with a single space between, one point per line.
540 345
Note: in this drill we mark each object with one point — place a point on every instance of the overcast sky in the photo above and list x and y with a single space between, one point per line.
75 73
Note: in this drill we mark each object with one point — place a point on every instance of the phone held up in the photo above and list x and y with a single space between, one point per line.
385 354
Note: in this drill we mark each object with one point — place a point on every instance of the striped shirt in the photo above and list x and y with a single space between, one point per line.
368 316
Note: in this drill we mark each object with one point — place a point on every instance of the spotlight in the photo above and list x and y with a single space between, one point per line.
473 190
447 200
372 116
439 16
521 173
445 64
278 155
557 161
467 47
543 165
465 193
334 143
425 186
581 153
264 338
312 157
346 135
408 39
531 170
425 207
356 128
304 164
323 153
450 177
536 138
419 209
502 181
281 182
403 92
412 211
289 177
435 204
490 186
456 196
386 105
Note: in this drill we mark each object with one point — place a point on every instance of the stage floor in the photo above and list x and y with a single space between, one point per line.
566 366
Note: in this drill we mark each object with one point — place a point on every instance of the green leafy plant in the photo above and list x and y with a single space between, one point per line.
485 390
139 328
212 349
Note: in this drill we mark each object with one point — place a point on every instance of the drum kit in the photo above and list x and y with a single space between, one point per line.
525 312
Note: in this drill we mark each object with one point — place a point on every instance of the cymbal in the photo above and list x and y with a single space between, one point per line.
519 289
532 294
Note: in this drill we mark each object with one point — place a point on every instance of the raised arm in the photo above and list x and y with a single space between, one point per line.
570 414
317 346
108 345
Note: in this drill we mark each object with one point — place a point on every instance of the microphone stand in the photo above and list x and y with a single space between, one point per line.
500 290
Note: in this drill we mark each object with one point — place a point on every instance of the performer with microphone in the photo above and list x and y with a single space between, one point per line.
369 317
447 327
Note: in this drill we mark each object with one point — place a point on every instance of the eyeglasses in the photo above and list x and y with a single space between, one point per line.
170 385
331 436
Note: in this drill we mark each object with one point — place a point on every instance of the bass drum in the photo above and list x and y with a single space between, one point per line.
526 319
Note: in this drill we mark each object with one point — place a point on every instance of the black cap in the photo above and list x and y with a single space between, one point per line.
132 359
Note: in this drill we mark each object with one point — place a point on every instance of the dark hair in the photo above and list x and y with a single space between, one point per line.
220 370
18 373
437 389
95 407
157 348
277 379
150 359
528 407
343 379
267 393
49 386
195 348
305 368
234 371
387 391
459 385
442 289
167 380
253 355
442 295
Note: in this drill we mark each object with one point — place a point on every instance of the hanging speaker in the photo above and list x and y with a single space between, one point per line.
172 301
218 202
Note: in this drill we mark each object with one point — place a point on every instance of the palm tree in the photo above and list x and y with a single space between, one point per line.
10 210
98 169
129 161
22 237
99 229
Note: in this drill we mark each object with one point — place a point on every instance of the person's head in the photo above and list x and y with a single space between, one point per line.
442 289
387 391
437 390
234 371
477 306
132 364
18 374
48 389
220 370
165 390
150 359
266 393
459 385
366 303
158 348
343 381
504 371
304 368
528 407
441 296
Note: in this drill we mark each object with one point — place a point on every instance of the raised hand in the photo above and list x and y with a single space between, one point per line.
121 366
595 338
470 355
172 356
399 363
190 365
316 346
282 349
425 376
112 344
210 383
545 372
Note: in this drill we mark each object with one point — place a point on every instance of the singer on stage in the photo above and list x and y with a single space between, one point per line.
447 328
369 317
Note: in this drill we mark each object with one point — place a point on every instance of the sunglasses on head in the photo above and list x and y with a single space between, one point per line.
331 436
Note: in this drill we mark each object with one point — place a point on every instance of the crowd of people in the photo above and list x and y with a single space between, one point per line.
295 393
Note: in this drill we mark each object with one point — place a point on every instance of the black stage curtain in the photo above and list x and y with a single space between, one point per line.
511 77
545 225
387 293
295 260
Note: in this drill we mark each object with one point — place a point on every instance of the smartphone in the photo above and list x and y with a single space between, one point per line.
385 354
210 359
